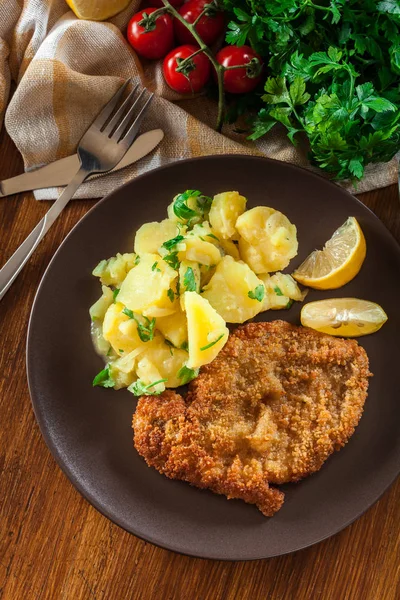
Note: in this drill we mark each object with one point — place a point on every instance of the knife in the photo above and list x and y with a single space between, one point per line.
60 172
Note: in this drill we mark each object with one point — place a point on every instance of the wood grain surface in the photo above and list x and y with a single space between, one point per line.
55 546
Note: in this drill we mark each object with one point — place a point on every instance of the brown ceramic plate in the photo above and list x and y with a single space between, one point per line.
89 431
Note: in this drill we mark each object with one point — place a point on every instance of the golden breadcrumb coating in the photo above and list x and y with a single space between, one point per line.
271 408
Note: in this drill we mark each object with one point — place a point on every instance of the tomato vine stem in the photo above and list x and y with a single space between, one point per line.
206 50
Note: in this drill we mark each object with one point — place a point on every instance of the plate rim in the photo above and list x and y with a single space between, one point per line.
65 468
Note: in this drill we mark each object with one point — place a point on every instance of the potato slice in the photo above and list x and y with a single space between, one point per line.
268 239
148 285
169 361
113 271
229 248
174 328
189 276
206 328
120 331
150 236
234 291
149 375
224 212
281 290
189 208
121 378
199 251
99 308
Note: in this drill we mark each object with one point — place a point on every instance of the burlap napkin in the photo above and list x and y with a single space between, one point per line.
66 70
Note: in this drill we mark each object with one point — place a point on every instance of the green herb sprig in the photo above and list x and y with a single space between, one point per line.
334 79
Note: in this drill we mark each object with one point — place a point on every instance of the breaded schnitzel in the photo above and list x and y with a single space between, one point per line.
271 408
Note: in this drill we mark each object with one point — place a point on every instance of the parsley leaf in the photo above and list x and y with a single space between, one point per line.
171 294
185 374
333 80
115 294
145 326
185 212
189 280
138 388
154 267
170 346
146 329
185 346
257 294
170 244
278 291
172 260
212 343
104 378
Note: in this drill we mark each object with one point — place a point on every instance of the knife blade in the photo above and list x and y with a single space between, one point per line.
60 172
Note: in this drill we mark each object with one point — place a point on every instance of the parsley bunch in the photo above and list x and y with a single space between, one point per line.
334 75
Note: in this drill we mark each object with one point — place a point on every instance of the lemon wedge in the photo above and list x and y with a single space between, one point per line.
344 317
97 10
338 262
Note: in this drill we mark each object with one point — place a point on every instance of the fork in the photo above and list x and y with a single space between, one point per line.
100 150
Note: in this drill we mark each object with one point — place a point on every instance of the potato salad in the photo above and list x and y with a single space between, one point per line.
164 307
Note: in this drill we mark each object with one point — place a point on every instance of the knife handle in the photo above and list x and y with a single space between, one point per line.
18 260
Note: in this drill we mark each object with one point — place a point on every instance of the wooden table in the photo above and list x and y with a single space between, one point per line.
54 545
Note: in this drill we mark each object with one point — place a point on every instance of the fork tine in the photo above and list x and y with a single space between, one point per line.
134 128
123 125
120 112
107 110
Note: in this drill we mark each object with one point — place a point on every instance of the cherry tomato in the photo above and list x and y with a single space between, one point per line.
209 27
153 40
159 3
198 72
240 81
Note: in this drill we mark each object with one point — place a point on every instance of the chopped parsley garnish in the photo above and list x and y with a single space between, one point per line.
171 294
146 329
115 294
120 350
104 378
155 267
172 260
169 244
184 212
257 294
185 374
185 346
181 209
278 291
189 280
289 304
212 343
138 388
211 235
170 346
203 202
137 260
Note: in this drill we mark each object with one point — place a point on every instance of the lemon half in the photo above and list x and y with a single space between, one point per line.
344 317
338 262
97 10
